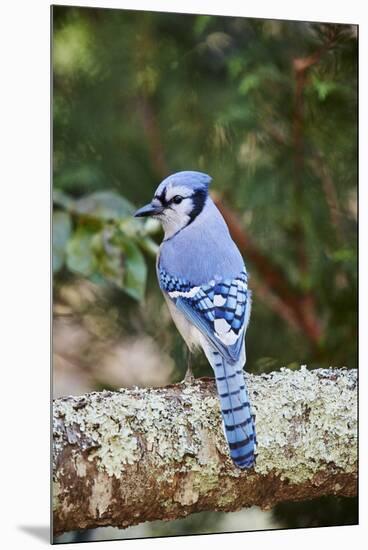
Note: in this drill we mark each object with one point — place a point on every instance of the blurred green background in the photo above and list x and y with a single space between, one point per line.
269 109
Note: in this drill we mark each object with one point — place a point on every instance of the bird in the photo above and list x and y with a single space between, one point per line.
202 276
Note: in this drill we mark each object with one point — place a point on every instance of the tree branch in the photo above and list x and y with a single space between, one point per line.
121 458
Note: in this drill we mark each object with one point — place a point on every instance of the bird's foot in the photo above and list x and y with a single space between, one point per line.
188 378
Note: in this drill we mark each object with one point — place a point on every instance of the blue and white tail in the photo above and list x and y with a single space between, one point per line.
238 420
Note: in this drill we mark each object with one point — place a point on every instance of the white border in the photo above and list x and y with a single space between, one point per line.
25 270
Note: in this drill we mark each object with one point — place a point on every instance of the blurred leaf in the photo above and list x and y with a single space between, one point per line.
248 83
81 175
138 230
109 256
62 199
99 279
201 23
149 246
132 227
79 254
235 66
218 41
343 255
61 229
135 269
107 205
151 226
323 87
119 261
72 50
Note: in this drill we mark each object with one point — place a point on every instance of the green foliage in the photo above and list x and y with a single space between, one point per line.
79 253
103 243
106 205
61 233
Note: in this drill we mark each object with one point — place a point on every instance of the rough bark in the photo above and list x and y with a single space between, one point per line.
121 458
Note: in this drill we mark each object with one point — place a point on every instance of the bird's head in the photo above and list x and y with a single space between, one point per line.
178 200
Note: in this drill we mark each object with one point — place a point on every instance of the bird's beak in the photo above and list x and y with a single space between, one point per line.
148 210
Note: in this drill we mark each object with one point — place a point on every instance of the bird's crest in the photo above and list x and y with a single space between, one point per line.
191 180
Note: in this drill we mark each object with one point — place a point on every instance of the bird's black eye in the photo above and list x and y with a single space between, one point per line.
177 199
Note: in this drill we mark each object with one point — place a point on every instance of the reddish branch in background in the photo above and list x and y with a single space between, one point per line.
152 131
306 308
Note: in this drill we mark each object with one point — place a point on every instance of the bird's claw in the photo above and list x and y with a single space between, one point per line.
188 378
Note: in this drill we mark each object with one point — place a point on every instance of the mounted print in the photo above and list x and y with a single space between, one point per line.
204 274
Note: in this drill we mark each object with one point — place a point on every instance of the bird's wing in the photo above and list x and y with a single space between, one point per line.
220 310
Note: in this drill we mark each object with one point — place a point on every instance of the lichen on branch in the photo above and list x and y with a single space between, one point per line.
144 454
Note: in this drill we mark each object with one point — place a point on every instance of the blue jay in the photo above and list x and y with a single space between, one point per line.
204 281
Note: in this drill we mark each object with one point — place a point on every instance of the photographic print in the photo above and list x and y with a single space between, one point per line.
204 255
